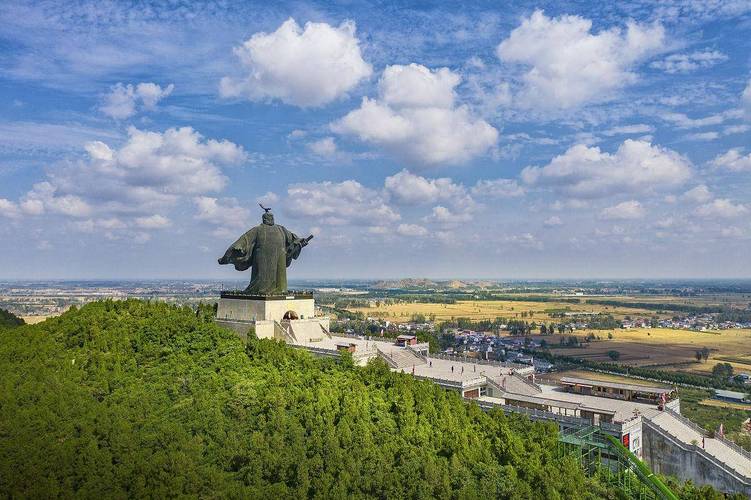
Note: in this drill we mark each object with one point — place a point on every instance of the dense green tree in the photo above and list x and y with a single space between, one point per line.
8 319
139 399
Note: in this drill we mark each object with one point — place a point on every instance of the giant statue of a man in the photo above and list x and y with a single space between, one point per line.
269 248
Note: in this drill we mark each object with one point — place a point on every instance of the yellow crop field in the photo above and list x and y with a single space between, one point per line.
669 348
490 309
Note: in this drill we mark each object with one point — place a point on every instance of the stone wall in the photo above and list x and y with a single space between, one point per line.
263 310
668 456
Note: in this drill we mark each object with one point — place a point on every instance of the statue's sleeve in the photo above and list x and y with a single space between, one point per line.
292 245
240 253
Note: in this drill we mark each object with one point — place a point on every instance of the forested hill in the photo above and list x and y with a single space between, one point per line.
148 400
8 319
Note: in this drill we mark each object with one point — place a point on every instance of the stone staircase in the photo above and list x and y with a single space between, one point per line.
401 358
699 453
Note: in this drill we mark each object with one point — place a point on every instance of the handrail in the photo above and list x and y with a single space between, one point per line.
417 353
716 461
325 331
704 433
386 358
528 382
463 359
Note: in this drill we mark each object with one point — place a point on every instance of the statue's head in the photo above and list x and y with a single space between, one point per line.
268 218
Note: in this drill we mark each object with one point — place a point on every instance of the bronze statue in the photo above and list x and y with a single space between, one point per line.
269 248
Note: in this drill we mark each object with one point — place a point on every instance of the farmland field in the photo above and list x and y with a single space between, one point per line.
491 309
664 348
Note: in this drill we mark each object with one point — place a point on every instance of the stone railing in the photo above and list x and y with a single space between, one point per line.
386 358
417 353
696 448
487 362
528 382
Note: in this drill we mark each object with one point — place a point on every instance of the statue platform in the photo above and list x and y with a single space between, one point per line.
290 317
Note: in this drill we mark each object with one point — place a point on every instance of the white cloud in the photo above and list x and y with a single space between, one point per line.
746 98
684 63
525 240
498 188
347 202
9 209
410 189
553 221
721 208
416 118
627 210
446 216
570 65
704 136
323 147
699 194
227 215
267 199
123 100
151 172
588 172
733 160
639 128
735 129
411 230
681 120
155 221
303 67
417 86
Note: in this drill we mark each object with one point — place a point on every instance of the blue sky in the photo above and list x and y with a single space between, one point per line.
549 140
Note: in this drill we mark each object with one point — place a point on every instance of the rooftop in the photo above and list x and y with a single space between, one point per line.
614 385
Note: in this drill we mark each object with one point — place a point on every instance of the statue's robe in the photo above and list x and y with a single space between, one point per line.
269 250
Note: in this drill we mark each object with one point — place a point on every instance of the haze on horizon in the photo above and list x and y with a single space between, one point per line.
550 141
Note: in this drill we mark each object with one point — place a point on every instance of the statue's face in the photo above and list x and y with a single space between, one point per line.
268 219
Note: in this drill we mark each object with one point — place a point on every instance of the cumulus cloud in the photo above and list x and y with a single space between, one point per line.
448 217
410 189
304 67
569 65
226 215
589 172
411 230
268 199
627 210
339 203
498 188
699 194
124 101
721 208
416 118
124 187
155 221
9 209
733 160
325 147
685 63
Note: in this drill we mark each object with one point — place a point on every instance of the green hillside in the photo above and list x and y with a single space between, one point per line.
148 400
8 319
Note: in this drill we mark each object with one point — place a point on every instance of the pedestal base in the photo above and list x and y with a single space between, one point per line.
283 317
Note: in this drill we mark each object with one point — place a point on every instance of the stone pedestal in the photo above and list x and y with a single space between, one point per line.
284 317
